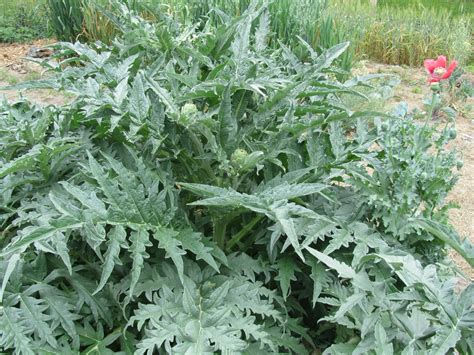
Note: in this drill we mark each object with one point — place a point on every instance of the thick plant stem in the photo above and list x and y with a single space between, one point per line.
205 164
220 227
435 100
243 232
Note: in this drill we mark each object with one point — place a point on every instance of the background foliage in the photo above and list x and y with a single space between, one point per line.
395 32
209 191
23 21
407 34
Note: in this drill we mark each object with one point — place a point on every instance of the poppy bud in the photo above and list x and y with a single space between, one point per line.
452 133
435 87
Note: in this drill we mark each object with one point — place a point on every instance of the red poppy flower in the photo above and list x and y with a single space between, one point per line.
438 70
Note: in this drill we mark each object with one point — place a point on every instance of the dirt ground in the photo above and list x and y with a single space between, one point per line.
463 192
412 90
15 69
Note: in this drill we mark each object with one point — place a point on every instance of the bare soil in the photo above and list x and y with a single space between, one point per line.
14 68
412 90
11 53
463 193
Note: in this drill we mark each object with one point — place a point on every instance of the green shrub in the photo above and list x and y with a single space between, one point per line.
205 193
23 23
13 34
9 8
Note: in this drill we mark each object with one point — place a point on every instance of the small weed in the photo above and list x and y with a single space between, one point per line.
32 75
66 95
467 109
8 77
416 90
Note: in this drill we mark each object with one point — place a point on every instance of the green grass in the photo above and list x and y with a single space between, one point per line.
9 7
407 35
465 7
32 75
11 79
6 76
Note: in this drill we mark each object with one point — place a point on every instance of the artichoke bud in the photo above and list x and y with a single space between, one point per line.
187 113
238 157
189 109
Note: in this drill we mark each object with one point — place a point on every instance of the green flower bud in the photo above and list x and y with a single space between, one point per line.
435 87
187 113
189 109
452 133
238 157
